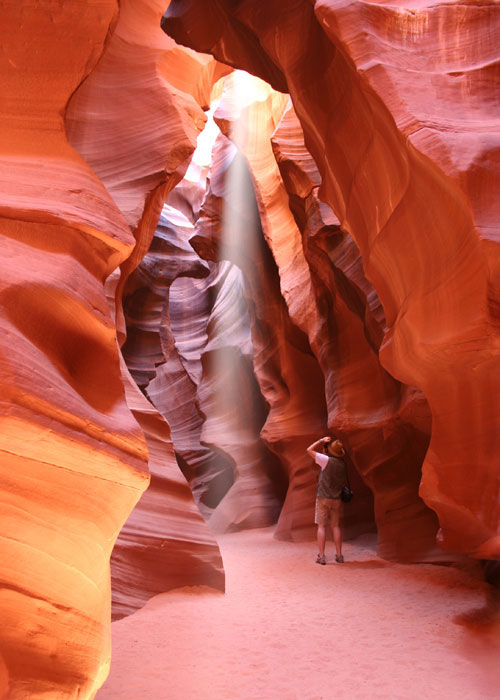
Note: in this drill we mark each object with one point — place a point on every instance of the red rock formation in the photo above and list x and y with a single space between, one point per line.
135 128
73 458
407 210
288 374
188 347
67 434
135 120
165 542
379 415
330 302
412 181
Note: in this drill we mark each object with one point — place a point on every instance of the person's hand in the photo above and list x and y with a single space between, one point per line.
326 440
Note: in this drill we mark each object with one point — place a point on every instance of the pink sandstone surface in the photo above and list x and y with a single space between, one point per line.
164 543
162 89
289 629
71 207
366 405
384 424
288 373
189 348
367 285
415 216
73 458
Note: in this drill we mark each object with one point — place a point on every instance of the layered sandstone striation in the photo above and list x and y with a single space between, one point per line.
135 120
189 349
258 232
86 166
339 271
73 458
137 116
407 180
164 543
385 425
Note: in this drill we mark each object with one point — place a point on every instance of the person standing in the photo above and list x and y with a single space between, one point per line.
328 454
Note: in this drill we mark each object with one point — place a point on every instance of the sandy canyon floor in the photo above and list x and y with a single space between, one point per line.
289 629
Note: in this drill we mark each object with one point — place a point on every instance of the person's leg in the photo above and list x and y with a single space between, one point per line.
337 538
337 532
321 540
321 521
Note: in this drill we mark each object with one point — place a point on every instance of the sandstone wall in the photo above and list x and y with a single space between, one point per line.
189 349
85 93
165 542
73 458
135 120
263 239
368 282
408 182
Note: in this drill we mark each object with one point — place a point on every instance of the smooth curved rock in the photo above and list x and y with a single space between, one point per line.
73 458
189 348
408 213
165 542
136 119
289 376
372 412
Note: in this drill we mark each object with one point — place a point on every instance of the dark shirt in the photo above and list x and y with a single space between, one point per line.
331 479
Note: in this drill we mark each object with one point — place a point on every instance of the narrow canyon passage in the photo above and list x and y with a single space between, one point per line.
287 629
229 228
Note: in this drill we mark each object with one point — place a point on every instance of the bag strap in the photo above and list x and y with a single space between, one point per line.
346 474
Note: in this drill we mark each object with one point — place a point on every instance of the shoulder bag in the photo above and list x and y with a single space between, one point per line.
346 494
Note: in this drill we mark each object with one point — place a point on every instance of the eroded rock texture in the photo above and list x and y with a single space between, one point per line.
408 182
135 120
385 424
268 240
73 458
339 271
165 543
83 180
189 349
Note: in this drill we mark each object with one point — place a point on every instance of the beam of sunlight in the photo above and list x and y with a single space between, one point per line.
236 392
202 156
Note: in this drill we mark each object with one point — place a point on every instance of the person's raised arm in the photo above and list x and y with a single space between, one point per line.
313 448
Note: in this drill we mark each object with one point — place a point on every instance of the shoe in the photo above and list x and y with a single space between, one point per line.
320 559
339 558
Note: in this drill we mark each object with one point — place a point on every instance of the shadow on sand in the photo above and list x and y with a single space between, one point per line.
481 640
370 564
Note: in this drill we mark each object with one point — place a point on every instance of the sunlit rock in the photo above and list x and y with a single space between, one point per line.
84 99
165 542
289 376
419 227
189 349
73 459
135 120
385 426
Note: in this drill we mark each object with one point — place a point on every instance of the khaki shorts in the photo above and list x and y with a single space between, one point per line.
328 511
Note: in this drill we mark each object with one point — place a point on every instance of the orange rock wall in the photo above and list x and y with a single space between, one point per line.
290 377
140 157
385 425
165 542
86 166
415 199
99 116
73 458
188 347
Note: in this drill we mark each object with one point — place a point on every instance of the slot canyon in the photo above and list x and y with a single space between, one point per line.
229 228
